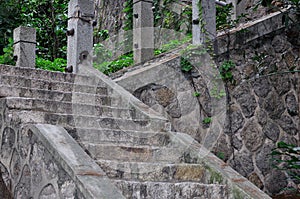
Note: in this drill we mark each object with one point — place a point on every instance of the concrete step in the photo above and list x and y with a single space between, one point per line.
162 172
74 97
44 84
35 73
165 190
100 108
75 120
96 136
135 153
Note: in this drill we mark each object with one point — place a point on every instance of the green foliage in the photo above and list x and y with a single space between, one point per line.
226 71
207 120
8 56
9 19
128 10
196 94
221 155
223 16
121 62
286 157
105 63
102 35
217 92
172 45
49 18
58 64
102 54
185 65
164 17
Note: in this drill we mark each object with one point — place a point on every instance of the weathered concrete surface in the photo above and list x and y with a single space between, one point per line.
54 152
88 176
47 162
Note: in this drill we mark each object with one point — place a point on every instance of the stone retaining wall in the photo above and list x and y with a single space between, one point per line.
263 102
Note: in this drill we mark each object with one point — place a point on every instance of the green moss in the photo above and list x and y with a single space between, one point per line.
237 194
215 177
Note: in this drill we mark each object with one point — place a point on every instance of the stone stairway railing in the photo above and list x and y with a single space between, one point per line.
131 143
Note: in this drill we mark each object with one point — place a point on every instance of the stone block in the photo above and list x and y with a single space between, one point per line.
207 19
24 34
24 46
80 34
196 28
143 31
85 8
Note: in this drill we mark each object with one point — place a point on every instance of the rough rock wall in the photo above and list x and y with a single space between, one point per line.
110 15
263 106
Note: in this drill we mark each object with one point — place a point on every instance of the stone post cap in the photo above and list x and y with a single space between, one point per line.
86 8
26 34
147 1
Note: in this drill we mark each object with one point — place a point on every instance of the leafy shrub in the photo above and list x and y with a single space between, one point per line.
185 65
108 67
223 16
287 157
172 45
226 70
8 56
58 64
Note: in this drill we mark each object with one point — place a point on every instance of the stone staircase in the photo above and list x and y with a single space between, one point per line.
130 142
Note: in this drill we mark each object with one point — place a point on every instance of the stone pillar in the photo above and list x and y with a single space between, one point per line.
143 30
204 23
196 28
24 46
80 33
238 8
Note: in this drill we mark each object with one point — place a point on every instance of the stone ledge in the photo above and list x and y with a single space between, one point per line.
91 180
250 31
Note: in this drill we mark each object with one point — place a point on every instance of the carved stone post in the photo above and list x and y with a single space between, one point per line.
24 46
80 33
143 30
239 7
204 21
196 23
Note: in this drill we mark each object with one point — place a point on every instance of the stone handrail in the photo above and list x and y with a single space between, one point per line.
89 178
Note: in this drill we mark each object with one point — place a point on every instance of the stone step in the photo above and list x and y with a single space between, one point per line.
98 108
135 153
35 73
102 109
27 82
99 136
76 97
74 120
169 190
162 172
